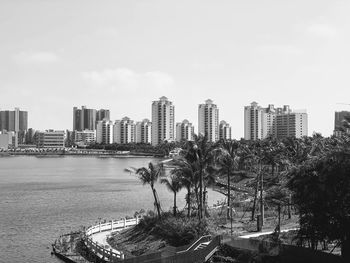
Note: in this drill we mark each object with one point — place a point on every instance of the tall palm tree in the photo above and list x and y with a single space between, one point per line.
174 184
187 172
201 151
150 176
226 158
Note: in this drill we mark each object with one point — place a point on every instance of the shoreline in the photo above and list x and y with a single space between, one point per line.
81 154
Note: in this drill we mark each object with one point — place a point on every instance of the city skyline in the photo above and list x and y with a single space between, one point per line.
118 55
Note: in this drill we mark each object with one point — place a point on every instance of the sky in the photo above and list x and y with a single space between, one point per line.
122 55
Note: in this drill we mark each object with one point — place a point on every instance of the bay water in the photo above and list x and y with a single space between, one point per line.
41 198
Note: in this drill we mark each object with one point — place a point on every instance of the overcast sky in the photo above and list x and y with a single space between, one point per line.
122 55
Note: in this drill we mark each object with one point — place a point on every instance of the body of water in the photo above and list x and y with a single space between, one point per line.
41 198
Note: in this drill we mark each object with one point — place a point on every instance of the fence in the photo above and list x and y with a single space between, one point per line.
185 254
107 254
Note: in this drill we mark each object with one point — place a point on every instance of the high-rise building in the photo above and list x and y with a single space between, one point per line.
102 114
16 120
84 119
104 132
291 124
208 120
124 131
50 139
143 131
163 115
184 131
260 123
253 122
224 131
341 121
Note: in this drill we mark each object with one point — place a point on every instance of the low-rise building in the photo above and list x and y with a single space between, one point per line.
50 139
85 137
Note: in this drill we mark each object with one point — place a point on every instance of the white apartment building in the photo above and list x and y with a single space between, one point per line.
224 131
50 139
104 132
184 131
208 120
292 124
124 131
163 115
260 123
253 122
85 137
143 131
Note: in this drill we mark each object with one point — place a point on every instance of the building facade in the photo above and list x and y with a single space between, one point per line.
341 122
184 131
224 131
260 123
102 114
84 138
291 124
124 131
143 131
208 120
163 115
50 139
104 132
253 122
15 120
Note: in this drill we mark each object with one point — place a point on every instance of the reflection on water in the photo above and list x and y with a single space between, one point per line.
41 198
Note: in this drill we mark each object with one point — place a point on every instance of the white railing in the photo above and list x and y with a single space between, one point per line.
108 254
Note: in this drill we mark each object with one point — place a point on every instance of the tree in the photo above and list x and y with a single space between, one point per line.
321 191
187 172
174 184
226 157
150 176
201 152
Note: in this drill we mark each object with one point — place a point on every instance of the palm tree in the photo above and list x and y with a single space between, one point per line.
227 155
174 184
150 176
187 172
201 151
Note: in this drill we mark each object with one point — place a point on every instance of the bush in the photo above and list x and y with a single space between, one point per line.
176 231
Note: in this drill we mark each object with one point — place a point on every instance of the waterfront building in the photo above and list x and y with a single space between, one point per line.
224 131
84 138
7 139
208 120
163 115
184 131
124 131
143 131
341 120
15 120
30 136
104 132
260 123
50 139
102 114
84 119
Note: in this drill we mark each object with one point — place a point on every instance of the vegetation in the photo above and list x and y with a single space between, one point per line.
308 176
